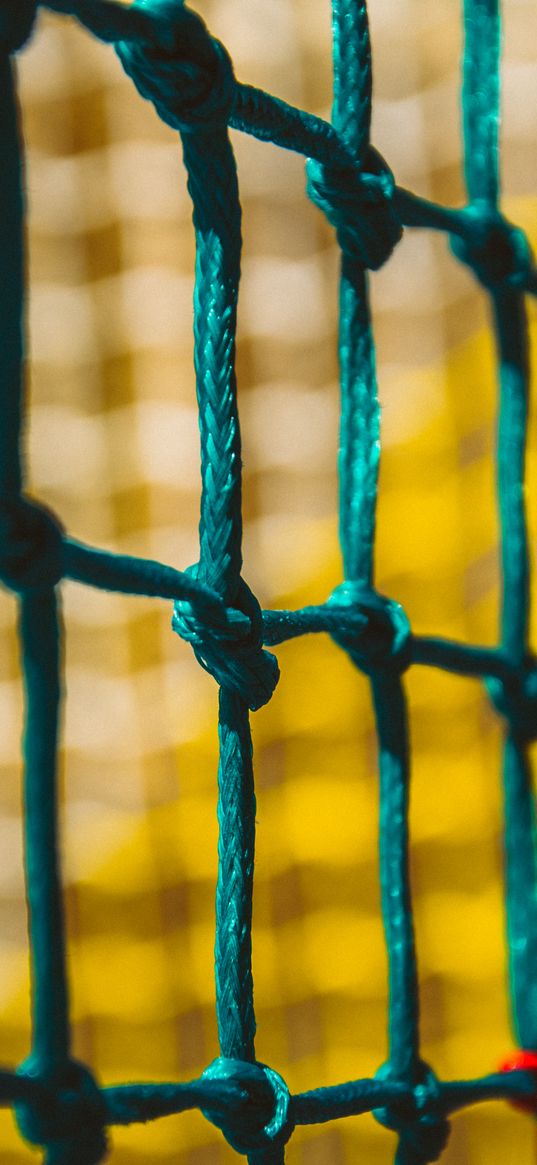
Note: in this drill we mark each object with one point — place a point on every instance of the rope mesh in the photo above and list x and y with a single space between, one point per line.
174 62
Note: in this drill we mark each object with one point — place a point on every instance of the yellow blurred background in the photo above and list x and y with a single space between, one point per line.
113 448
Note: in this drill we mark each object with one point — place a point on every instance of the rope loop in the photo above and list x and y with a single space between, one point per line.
72 1127
497 251
264 1119
187 74
31 545
516 700
358 201
229 645
384 643
422 1126
16 23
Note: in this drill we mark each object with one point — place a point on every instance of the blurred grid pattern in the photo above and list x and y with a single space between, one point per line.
113 448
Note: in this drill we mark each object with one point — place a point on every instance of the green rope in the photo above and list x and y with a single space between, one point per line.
512 339
481 105
236 816
188 75
481 99
390 710
39 632
360 412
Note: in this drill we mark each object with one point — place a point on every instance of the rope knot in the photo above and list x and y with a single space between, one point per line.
358 202
71 1127
229 645
498 252
263 1119
422 1125
186 73
384 642
31 545
16 22
515 699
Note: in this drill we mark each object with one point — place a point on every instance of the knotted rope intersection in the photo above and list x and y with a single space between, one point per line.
174 62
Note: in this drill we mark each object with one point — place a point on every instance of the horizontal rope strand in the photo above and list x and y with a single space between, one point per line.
136 576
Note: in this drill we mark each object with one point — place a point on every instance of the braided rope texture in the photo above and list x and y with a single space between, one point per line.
175 63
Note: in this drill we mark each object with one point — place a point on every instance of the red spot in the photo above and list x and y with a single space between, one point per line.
527 1062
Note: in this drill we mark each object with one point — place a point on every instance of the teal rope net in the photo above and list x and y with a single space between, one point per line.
174 62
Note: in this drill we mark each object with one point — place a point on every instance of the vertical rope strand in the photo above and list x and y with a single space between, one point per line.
481 99
273 1156
512 344
481 106
351 111
11 284
189 76
236 816
39 630
359 453
391 718
359 467
214 190
521 894
520 839
213 186
360 413
39 633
